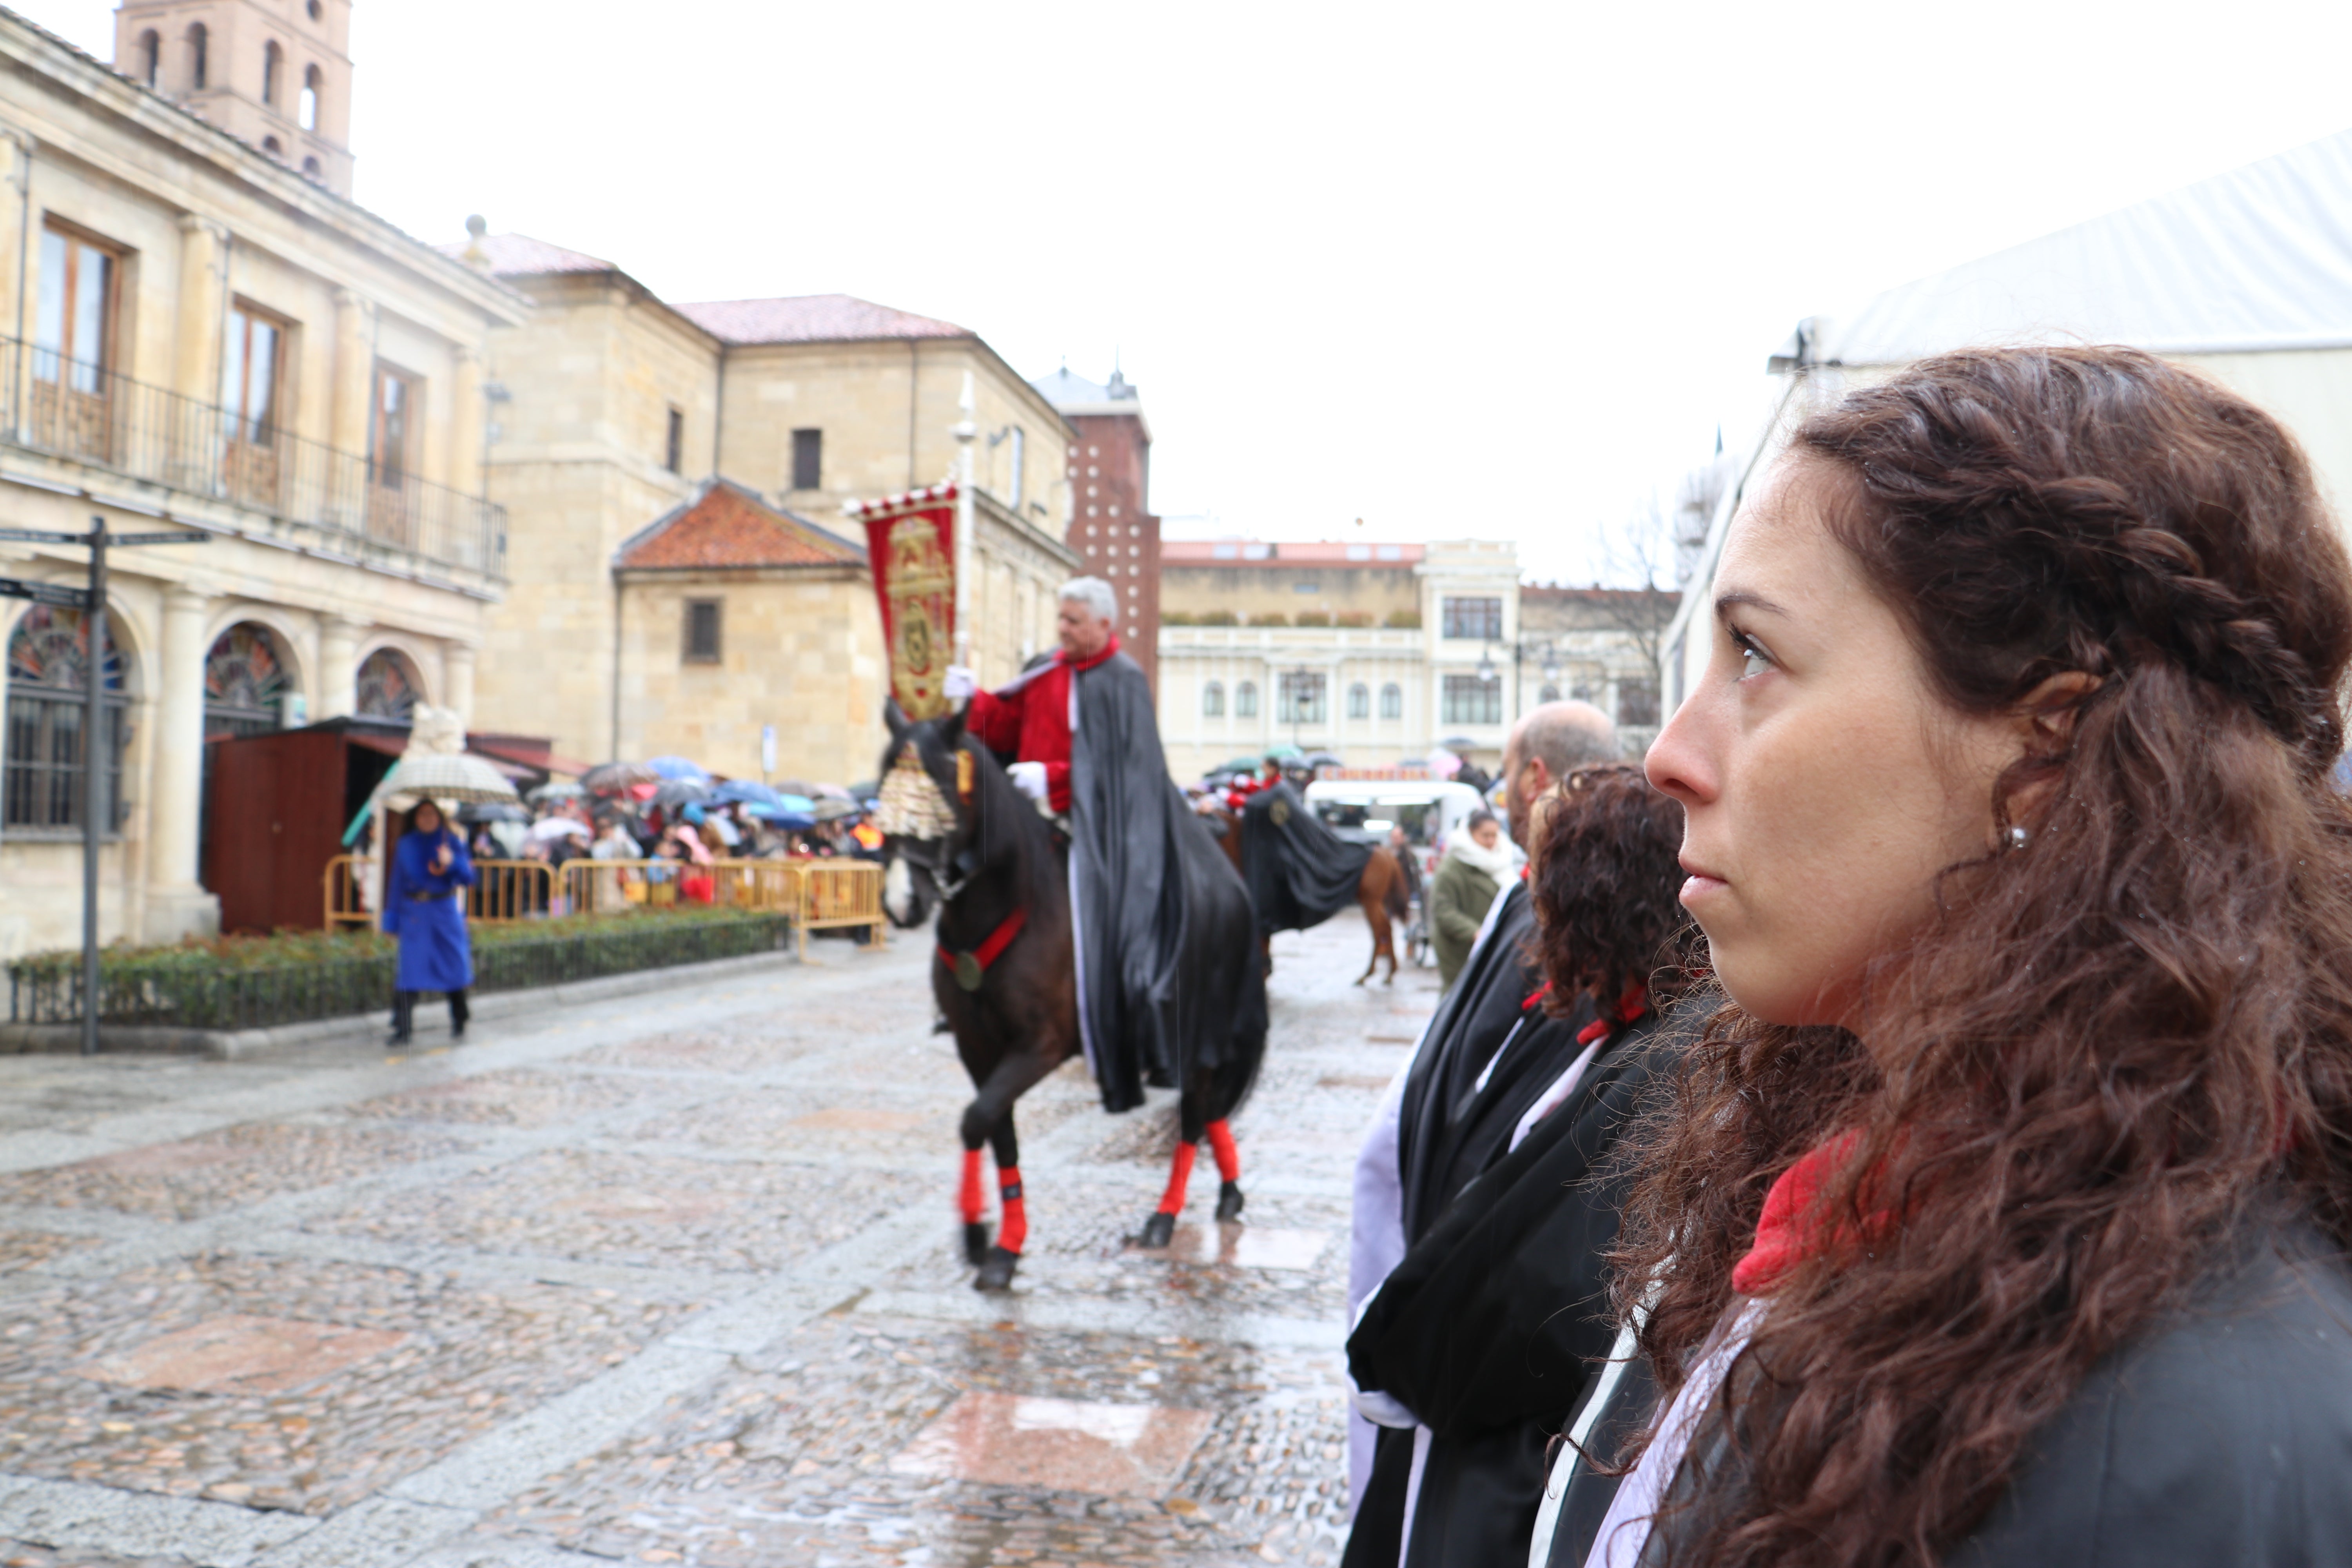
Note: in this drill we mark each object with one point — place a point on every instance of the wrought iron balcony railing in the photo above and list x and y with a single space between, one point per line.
376 512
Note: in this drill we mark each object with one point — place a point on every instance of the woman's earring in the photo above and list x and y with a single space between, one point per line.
2019 838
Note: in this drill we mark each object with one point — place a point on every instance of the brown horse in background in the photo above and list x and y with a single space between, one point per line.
1383 893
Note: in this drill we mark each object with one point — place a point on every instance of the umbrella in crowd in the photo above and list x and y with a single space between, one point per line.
679 768
781 817
746 790
558 827
492 811
556 789
671 793
613 778
832 810
446 775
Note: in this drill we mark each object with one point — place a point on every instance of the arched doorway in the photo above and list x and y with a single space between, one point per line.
48 659
388 685
245 688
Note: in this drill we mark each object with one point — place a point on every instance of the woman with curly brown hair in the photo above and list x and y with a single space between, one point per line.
2002 1218
1478 1345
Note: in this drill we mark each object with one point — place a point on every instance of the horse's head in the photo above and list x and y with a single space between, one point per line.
926 815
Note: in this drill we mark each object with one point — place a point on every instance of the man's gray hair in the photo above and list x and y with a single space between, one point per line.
1564 737
1095 594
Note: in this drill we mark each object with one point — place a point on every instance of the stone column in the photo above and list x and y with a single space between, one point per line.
354 371
338 667
177 903
203 285
465 474
457 681
16 174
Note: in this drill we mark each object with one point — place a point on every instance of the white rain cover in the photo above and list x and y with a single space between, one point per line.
2260 257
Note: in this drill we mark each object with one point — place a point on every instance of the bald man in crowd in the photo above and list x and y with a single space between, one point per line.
1446 1115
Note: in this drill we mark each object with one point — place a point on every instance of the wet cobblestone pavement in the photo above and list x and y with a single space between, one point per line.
674 1280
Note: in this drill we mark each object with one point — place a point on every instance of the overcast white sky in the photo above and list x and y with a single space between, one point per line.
1459 271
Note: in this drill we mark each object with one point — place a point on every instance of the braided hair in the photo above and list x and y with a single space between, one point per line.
2109 1051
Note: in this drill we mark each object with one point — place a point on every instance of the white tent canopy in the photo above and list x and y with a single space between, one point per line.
2255 260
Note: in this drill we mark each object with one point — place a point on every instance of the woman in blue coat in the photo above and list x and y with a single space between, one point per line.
424 907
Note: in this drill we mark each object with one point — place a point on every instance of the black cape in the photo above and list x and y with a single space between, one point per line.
1168 973
1490 1328
1300 872
1437 1150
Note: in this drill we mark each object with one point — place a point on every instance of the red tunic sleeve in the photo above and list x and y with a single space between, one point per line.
996 719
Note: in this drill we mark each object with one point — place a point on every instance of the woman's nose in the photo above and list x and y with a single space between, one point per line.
1678 764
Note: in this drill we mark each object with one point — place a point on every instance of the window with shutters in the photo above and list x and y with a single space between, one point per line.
1359 701
702 631
1213 700
1392 701
808 459
251 372
1245 700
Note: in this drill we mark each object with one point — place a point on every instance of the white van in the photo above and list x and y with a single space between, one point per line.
1361 805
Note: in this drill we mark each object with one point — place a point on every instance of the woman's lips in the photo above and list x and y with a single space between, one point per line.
1697 883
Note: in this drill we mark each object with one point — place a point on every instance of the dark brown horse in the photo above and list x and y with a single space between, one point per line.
960 840
1382 894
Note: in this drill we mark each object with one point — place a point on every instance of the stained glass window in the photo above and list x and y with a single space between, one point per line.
48 655
387 686
245 683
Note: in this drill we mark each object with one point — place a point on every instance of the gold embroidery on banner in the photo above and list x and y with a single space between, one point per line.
921 590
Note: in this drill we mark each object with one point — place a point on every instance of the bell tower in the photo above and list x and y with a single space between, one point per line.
274 73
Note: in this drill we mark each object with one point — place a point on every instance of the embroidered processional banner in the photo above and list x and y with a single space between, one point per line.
910 546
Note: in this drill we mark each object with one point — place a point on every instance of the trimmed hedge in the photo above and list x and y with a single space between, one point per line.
255 982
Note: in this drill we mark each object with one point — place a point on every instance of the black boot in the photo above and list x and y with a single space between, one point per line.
404 1008
458 1013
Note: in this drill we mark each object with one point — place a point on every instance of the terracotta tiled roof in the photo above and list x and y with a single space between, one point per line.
812 319
516 254
727 525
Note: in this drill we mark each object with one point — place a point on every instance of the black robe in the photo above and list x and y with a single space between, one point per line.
1489 1328
1300 873
1168 973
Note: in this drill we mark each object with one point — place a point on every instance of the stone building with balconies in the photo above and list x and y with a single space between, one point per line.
1376 652
196 337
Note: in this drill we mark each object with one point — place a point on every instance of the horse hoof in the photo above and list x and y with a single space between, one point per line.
996 1270
1158 1232
975 1242
1229 1200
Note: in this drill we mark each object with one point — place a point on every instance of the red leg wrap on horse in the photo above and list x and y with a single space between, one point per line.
973 1199
1179 1177
1229 1159
1016 1228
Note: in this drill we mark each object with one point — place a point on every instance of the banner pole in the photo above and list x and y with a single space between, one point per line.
964 431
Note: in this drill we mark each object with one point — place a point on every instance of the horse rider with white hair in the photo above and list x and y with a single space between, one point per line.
1030 719
1083 737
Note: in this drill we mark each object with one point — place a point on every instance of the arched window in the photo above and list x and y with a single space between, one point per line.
1245 700
1549 693
271 145
311 82
387 686
1359 701
273 66
1392 701
199 65
151 57
245 683
1213 700
48 655
310 167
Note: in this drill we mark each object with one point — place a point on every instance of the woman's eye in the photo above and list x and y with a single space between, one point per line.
1753 660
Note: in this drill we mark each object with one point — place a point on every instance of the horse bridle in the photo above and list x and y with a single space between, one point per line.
948 887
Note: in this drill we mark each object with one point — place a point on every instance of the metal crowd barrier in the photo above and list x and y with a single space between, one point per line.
817 895
503 891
